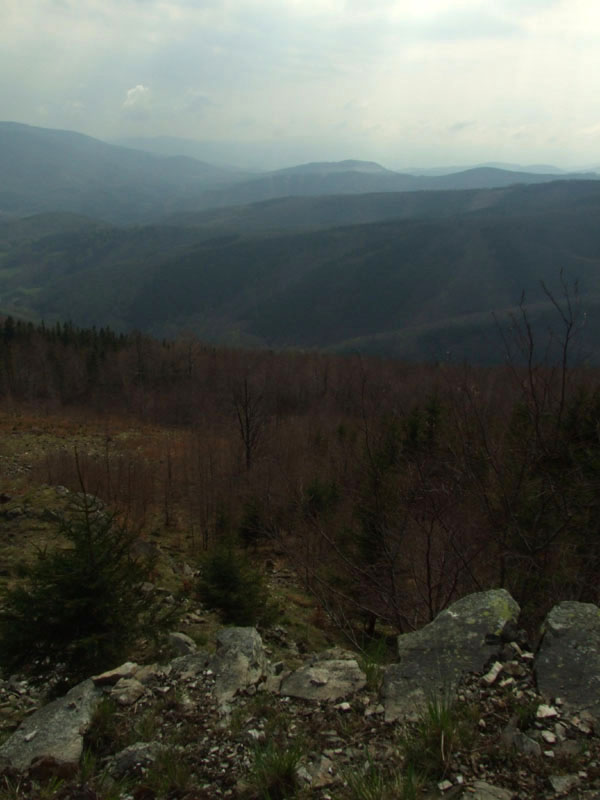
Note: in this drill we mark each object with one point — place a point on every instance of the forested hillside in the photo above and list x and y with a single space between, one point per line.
390 488
429 287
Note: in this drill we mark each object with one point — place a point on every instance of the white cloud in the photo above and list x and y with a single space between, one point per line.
137 97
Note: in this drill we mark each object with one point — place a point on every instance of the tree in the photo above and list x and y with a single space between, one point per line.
249 410
78 610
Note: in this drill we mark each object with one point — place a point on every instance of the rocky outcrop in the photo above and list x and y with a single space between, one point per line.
240 661
330 679
433 660
55 731
215 710
567 665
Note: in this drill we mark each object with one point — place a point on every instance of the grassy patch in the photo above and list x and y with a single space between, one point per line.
443 729
273 775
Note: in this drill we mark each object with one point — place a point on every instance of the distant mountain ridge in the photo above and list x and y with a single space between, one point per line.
49 170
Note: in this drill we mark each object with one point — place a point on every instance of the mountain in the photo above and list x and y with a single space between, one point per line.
51 170
543 169
418 288
48 170
319 179
295 213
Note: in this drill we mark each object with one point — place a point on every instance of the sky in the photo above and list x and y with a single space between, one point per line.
424 83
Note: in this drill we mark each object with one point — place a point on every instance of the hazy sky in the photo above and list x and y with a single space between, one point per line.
428 82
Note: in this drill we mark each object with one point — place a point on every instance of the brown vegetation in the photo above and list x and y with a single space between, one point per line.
391 488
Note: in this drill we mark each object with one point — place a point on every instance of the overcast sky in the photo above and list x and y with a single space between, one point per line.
430 82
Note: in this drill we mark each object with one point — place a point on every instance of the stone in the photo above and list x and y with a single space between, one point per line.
490 677
240 661
59 726
133 758
432 661
127 691
545 712
480 790
321 773
567 664
526 745
182 644
325 680
192 665
112 676
563 783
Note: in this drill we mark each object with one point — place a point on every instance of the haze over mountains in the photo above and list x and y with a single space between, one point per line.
345 255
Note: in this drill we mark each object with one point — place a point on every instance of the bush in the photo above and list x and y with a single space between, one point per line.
231 586
78 610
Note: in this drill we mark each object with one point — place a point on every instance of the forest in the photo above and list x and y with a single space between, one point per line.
391 489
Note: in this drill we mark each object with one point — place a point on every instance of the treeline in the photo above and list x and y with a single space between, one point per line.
391 488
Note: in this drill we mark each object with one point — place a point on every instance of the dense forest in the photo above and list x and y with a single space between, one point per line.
391 488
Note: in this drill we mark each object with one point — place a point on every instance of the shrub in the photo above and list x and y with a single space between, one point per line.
231 586
78 610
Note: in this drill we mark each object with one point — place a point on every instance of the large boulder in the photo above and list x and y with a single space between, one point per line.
56 731
434 659
567 664
240 661
330 680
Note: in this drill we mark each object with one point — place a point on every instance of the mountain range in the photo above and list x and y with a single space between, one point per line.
420 274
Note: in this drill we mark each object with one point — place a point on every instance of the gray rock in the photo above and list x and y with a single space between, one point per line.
325 680
192 665
127 691
526 745
567 664
461 639
480 790
56 730
563 783
111 676
240 661
182 643
133 758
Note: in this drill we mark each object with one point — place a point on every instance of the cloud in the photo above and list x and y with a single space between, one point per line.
458 127
138 97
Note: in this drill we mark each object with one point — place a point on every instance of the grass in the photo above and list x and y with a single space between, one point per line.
273 775
107 732
375 656
376 782
168 774
443 729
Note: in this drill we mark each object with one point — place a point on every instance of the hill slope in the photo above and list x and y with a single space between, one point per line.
419 287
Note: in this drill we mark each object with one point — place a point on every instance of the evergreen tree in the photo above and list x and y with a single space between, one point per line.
78 610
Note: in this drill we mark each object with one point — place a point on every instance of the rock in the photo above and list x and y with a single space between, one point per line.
134 758
480 790
191 665
182 643
563 783
325 680
490 677
526 745
240 661
111 676
567 664
59 728
127 691
461 639
321 773
545 712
